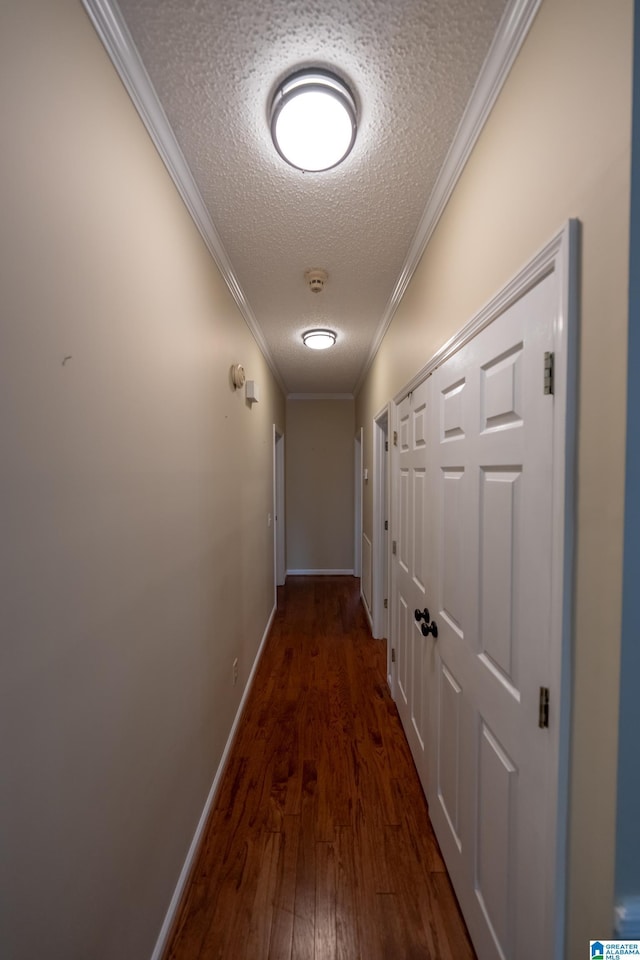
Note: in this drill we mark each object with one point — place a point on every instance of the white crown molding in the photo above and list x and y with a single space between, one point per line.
320 396
512 31
116 38
118 42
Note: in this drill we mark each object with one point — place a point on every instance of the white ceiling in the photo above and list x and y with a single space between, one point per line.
412 64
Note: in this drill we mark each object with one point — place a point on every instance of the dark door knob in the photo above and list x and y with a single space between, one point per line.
422 615
430 628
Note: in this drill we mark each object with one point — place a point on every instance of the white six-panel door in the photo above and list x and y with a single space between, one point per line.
493 447
411 569
473 493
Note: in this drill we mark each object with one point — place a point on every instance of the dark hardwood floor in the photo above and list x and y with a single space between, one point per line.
319 846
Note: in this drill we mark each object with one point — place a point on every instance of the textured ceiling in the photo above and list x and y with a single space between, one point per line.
412 65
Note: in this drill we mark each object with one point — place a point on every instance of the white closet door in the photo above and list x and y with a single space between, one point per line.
490 761
411 567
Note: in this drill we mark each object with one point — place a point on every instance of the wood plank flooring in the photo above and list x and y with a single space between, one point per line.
319 846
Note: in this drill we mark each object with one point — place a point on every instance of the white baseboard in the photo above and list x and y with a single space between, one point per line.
185 873
320 573
366 610
627 919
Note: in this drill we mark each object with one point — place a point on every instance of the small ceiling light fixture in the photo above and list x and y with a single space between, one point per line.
313 120
319 339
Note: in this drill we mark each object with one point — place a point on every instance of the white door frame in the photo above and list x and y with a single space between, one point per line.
357 489
279 560
380 537
559 255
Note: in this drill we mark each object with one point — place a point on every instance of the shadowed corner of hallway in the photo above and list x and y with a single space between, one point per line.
319 845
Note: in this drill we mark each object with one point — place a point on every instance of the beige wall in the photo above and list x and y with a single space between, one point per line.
134 488
319 455
556 146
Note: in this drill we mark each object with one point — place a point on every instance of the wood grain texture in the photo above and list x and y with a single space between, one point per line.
319 845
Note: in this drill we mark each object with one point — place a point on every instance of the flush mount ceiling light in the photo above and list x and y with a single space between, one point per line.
313 120
319 339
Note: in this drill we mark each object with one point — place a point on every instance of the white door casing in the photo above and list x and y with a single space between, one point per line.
498 466
380 538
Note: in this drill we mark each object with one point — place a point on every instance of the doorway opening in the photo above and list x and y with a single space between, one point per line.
279 560
357 500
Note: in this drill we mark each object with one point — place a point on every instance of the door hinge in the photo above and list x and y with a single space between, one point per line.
386 603
395 438
386 446
386 524
543 714
394 547
548 372
393 655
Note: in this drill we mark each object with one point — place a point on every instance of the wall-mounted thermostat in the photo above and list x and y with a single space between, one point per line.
238 375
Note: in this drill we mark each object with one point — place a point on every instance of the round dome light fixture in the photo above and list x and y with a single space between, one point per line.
319 339
313 120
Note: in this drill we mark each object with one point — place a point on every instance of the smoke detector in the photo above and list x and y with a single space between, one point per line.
316 280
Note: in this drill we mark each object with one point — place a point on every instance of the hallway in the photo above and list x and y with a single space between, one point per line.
319 844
